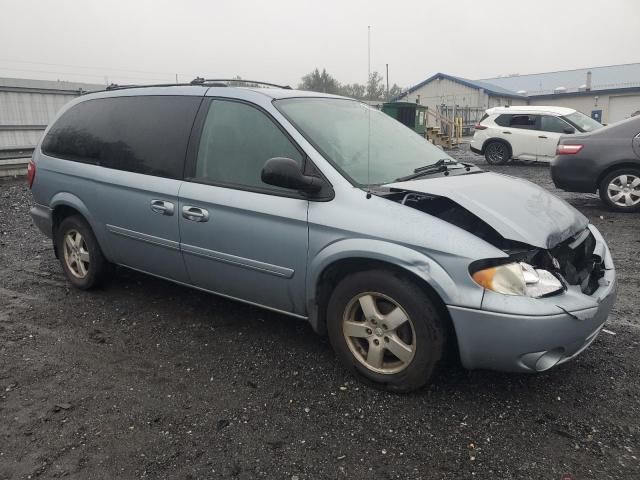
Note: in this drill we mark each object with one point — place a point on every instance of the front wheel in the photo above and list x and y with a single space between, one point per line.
620 190
497 153
385 329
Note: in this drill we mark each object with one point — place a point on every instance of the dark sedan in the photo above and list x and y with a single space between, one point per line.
606 160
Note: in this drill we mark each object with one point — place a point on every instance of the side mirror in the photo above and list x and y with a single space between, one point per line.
286 173
569 130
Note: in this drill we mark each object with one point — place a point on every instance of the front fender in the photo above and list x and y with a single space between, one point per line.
408 259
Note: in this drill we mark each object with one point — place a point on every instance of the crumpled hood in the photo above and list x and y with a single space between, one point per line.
517 209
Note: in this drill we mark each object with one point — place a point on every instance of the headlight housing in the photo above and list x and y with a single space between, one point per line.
518 278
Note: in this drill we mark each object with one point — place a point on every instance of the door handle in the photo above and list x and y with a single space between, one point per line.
162 207
541 136
195 214
507 133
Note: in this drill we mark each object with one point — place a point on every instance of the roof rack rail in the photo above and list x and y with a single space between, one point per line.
115 86
219 82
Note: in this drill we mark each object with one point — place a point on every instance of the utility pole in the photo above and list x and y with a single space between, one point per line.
368 59
387 81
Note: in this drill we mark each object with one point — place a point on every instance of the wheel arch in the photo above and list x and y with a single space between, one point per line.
64 205
328 268
618 165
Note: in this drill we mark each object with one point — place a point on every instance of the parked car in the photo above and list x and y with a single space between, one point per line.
526 132
324 209
606 160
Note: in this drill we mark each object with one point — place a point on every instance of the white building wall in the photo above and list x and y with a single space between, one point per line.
614 107
448 92
444 91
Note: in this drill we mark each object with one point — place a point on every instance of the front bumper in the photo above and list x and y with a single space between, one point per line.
43 219
519 341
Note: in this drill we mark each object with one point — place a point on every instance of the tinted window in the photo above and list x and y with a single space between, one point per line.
502 120
236 141
553 124
523 121
146 134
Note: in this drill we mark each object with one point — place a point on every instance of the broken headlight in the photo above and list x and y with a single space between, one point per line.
518 279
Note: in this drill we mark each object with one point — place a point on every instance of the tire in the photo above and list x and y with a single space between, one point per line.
497 153
81 259
389 297
620 190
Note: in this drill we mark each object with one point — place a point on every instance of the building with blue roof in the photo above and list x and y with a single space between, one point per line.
609 93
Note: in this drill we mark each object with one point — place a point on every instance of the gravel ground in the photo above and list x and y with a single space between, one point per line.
146 379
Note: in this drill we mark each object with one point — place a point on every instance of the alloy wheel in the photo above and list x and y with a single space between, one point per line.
624 190
496 153
76 254
379 333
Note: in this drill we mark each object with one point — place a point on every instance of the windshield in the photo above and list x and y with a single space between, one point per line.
584 123
339 129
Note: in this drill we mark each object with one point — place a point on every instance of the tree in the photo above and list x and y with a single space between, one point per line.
375 87
242 84
317 81
353 90
394 91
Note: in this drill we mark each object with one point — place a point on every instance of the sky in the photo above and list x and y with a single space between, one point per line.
145 41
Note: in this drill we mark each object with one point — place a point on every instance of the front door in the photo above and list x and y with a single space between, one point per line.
239 236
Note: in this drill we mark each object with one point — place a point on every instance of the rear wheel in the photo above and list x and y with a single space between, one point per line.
620 190
497 153
79 252
385 330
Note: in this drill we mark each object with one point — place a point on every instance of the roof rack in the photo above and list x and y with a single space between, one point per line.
220 82
115 86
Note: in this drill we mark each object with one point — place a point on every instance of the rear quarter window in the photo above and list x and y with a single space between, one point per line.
145 134
503 120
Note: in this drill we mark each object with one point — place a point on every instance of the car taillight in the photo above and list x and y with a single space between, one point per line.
31 173
568 149
479 126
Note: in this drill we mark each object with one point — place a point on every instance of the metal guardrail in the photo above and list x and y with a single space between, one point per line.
14 160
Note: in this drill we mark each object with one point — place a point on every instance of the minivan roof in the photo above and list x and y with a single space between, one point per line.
531 109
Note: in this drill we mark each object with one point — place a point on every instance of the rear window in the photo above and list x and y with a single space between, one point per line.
146 134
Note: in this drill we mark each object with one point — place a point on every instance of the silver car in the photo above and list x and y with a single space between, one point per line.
324 209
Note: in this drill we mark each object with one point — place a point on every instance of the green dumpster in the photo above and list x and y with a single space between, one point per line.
410 114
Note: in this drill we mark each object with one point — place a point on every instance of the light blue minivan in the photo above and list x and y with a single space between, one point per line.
324 209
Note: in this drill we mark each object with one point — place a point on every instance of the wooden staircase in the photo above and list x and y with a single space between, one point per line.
442 139
434 135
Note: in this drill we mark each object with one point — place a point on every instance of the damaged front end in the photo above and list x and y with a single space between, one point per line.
528 270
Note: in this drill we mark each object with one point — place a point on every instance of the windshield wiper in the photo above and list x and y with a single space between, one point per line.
439 166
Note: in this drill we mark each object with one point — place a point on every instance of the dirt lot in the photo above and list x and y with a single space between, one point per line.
146 379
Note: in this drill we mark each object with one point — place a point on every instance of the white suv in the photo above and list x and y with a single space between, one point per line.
526 132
